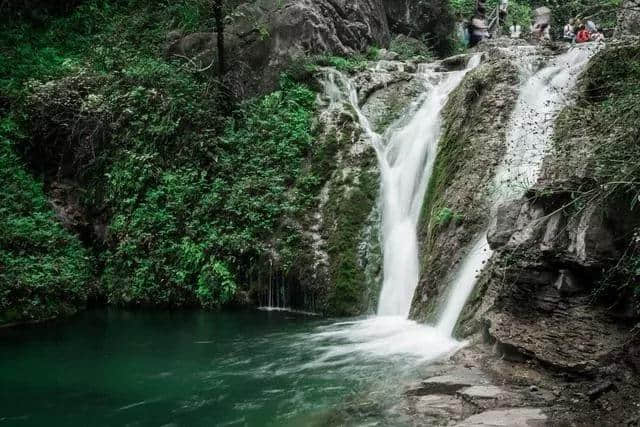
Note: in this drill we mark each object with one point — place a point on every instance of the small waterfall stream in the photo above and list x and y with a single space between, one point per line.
541 98
406 155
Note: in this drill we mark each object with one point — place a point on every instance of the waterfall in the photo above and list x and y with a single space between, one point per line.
541 98
406 155
406 165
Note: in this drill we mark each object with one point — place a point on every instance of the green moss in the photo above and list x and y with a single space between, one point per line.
410 49
347 210
452 155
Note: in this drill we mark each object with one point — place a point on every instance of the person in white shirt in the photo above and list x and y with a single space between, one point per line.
515 30
569 33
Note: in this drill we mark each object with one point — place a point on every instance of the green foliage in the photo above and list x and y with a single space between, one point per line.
349 65
177 230
44 271
99 34
195 189
215 285
602 12
409 48
373 53
349 214
519 10
445 216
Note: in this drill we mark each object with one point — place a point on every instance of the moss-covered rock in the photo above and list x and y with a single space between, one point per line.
472 144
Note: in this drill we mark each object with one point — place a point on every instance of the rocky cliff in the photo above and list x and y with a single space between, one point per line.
264 37
561 289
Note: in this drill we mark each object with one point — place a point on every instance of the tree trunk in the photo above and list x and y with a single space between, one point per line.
219 20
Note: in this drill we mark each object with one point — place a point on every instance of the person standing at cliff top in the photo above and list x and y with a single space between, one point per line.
541 28
503 11
478 31
583 35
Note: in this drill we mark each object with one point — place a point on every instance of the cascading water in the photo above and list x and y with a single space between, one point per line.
541 98
406 164
406 155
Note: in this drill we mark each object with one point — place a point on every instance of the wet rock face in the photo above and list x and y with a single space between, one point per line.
593 236
544 272
340 259
473 138
262 38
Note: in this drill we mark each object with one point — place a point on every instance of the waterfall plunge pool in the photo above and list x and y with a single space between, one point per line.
195 368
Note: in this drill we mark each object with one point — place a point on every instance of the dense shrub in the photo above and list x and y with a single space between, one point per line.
186 216
194 187
44 271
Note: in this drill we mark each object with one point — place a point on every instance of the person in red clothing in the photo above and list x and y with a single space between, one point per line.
583 35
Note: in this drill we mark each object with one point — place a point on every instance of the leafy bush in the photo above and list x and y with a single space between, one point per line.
215 285
445 216
44 271
175 228
519 10
352 64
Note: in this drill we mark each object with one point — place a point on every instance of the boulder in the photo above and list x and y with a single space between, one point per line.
594 239
448 383
430 20
263 38
482 392
503 223
554 235
514 417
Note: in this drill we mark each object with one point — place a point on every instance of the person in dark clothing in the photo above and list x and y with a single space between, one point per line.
477 31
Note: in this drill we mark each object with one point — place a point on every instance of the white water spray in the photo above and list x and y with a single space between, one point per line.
406 165
541 98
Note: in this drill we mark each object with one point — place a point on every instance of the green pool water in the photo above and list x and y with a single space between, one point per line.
251 368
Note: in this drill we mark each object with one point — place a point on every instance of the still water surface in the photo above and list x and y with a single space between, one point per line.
247 368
